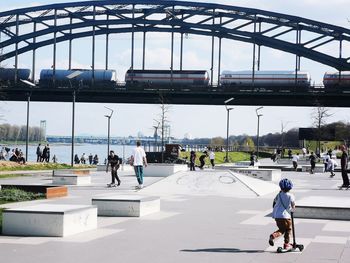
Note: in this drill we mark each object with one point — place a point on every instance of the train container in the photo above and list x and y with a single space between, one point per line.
276 80
9 74
103 78
333 82
164 78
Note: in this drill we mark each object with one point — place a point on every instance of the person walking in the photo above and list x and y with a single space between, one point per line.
312 159
138 160
212 158
90 158
95 160
47 157
252 159
113 161
192 160
331 164
344 166
38 153
295 160
44 155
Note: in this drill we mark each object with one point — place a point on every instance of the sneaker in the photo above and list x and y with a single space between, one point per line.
118 183
140 186
287 246
111 185
271 242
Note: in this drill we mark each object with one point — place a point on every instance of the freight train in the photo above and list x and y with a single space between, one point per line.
184 80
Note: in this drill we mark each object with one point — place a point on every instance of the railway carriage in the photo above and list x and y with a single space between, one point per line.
335 82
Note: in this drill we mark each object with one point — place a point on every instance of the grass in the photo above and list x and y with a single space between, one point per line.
15 195
12 166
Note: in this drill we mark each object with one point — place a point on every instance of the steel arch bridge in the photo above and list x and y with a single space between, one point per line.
29 29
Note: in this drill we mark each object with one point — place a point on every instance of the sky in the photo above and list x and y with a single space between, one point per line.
189 120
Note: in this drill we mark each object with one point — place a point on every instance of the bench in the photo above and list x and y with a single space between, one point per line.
71 179
49 220
50 191
126 205
264 174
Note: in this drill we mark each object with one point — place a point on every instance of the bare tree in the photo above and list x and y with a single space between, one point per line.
319 117
163 121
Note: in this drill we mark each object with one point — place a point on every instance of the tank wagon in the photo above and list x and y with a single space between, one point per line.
178 79
274 80
333 82
102 78
8 75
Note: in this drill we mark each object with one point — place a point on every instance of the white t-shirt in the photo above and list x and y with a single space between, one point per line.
295 158
283 206
211 155
138 154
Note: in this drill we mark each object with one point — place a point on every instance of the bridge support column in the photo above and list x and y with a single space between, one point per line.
27 128
73 116
212 52
107 44
33 57
54 50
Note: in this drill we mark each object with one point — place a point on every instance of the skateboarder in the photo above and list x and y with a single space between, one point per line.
283 205
113 160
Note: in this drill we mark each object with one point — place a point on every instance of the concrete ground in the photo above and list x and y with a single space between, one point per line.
206 216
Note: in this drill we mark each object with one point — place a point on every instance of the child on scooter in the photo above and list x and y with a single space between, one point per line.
283 205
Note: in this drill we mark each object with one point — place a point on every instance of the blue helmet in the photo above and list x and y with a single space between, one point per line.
286 184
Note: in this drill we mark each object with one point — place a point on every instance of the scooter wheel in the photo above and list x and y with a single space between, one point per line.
301 247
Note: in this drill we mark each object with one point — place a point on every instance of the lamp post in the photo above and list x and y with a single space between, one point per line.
70 77
257 137
30 84
109 127
227 125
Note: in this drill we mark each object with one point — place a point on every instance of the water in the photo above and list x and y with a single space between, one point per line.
63 151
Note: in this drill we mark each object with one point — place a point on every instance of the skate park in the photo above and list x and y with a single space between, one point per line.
214 213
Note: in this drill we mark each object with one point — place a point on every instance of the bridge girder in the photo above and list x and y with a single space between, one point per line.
69 21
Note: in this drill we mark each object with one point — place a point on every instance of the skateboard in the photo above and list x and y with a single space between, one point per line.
110 185
344 187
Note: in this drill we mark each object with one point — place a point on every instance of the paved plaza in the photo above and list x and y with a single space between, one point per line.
206 216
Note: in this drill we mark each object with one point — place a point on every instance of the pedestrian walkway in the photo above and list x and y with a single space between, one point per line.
206 216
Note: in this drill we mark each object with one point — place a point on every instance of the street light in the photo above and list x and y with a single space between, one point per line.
109 127
257 137
227 124
30 84
70 77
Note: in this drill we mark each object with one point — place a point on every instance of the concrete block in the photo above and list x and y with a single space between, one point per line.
318 168
71 171
323 207
49 220
163 170
263 174
126 205
70 179
50 191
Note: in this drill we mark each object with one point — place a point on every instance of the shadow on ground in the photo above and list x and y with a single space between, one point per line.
222 250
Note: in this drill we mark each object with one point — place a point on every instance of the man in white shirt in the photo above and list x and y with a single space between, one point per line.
331 164
295 161
138 159
212 158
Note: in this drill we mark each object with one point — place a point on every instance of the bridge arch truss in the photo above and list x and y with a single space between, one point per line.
28 29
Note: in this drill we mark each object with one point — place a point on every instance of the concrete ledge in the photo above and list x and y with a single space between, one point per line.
263 174
49 220
163 170
71 171
126 205
123 167
50 191
70 179
323 207
245 163
318 168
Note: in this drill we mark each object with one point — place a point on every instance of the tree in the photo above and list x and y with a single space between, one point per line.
249 144
319 117
217 141
163 120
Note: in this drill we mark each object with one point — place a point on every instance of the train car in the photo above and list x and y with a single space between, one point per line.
167 79
102 78
268 80
8 76
333 82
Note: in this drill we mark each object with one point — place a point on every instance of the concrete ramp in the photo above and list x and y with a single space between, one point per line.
209 183
323 207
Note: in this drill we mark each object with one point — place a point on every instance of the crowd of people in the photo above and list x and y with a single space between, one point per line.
43 153
14 155
84 159
202 157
